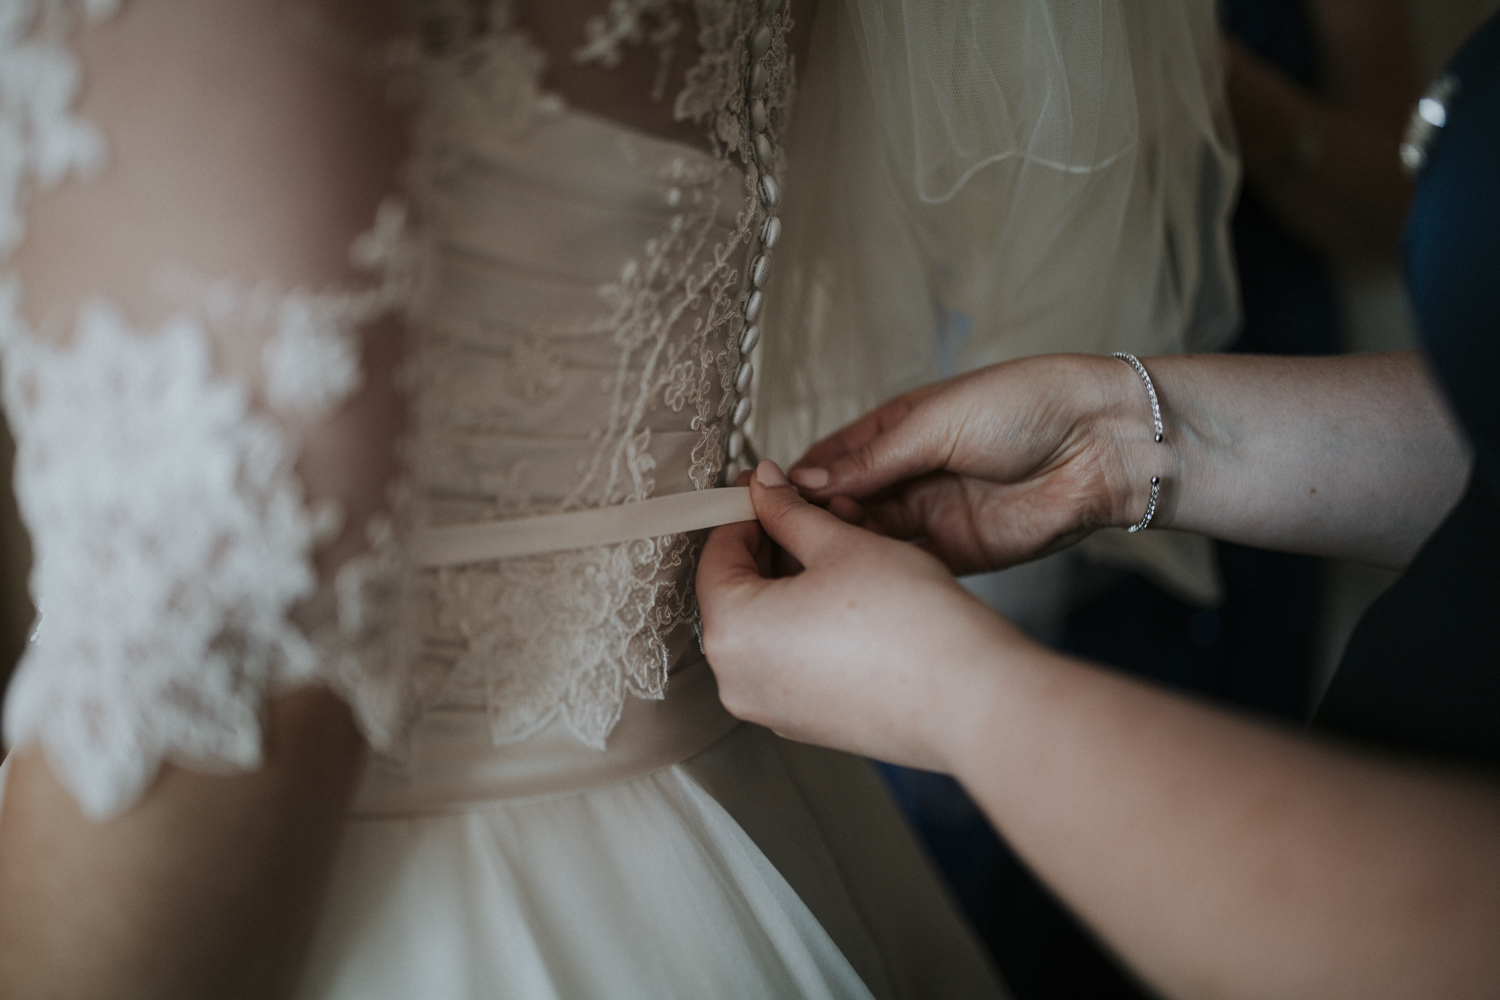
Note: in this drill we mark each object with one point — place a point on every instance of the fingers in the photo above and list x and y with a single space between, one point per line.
913 446
729 563
844 440
808 533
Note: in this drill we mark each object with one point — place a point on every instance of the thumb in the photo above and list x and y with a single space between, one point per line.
805 531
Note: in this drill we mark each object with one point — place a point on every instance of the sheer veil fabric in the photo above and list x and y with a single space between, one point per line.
971 182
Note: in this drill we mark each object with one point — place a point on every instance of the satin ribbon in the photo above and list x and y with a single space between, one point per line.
580 529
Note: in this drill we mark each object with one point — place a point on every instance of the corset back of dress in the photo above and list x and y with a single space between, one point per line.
584 310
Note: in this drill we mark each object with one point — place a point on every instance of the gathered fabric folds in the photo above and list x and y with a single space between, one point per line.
754 868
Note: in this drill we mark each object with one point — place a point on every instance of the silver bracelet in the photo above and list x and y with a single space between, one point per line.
1140 369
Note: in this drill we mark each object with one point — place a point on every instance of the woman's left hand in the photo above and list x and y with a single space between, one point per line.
873 647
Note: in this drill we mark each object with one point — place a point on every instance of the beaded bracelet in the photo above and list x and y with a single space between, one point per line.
1140 369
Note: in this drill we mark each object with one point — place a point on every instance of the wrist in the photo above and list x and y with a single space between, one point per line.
1137 441
1000 704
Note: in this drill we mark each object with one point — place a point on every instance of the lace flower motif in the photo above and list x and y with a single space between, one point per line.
571 635
41 140
172 543
620 602
634 22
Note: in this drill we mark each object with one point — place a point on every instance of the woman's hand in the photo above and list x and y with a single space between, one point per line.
1351 458
1215 855
872 648
996 467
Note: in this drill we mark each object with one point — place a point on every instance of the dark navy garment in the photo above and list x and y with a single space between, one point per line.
1422 671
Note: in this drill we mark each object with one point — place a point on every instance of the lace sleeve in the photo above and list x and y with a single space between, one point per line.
201 387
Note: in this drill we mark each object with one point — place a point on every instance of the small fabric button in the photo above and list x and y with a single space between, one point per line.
763 150
760 270
758 80
768 192
770 233
760 42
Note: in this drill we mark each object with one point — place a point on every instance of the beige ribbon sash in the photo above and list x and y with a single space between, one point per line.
580 529
454 764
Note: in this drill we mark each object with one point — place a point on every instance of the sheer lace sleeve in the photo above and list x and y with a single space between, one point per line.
199 348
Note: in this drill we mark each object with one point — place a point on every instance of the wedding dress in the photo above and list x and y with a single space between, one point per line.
558 804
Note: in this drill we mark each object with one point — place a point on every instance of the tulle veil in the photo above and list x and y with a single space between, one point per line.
971 181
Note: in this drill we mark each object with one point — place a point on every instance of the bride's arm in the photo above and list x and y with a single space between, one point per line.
209 887
248 141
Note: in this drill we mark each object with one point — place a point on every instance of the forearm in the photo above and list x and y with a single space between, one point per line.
210 886
1352 457
1222 858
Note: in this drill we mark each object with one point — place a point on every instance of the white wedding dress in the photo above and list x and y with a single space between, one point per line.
558 806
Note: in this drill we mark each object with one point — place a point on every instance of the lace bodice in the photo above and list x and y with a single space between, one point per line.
584 350
584 294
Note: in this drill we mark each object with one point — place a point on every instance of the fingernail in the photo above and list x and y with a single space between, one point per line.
810 478
769 474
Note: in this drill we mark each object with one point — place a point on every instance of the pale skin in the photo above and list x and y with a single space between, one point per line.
253 144
247 152
1218 856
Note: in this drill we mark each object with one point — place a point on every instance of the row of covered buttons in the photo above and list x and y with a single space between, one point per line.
770 231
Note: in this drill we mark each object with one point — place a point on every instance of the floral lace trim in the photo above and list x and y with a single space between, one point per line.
634 22
625 603
173 539
569 635
173 543
41 140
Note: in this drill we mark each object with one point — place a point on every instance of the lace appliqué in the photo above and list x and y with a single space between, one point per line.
41 140
672 316
623 602
173 539
634 22
572 634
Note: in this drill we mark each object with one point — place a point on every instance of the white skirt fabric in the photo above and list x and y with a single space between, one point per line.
756 868
753 868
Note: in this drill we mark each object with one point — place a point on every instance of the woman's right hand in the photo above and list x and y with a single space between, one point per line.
996 467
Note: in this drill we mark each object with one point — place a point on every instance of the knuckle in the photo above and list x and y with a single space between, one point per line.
733 699
863 461
721 644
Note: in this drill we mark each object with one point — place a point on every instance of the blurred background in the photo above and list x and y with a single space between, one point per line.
1321 91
